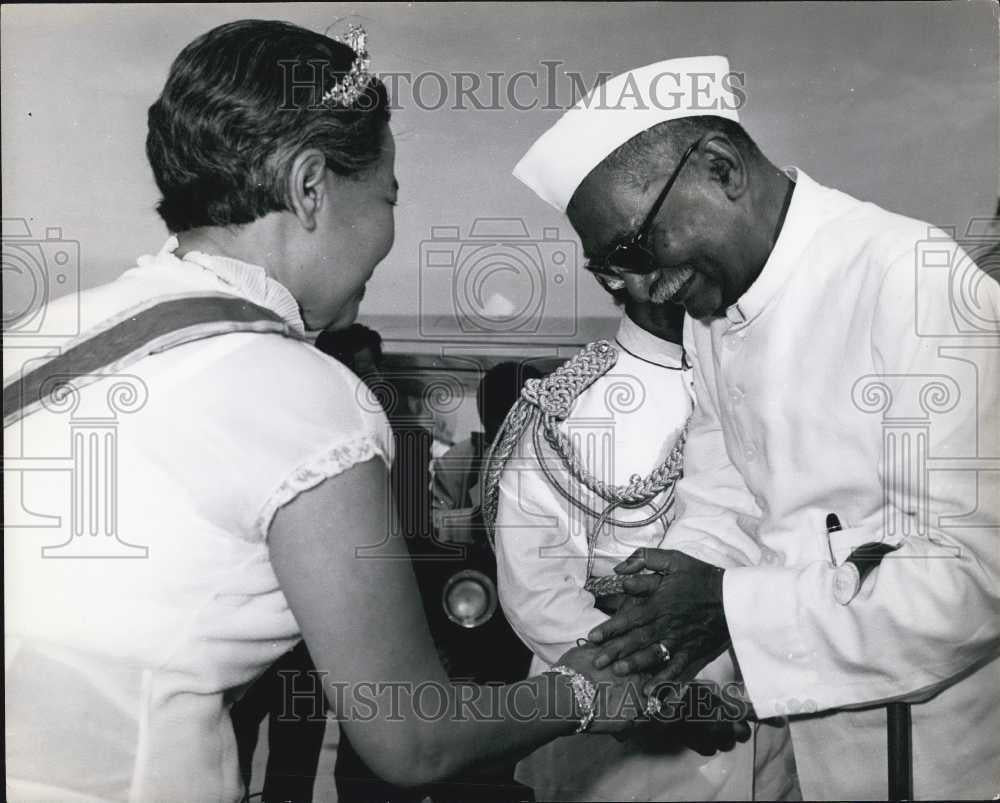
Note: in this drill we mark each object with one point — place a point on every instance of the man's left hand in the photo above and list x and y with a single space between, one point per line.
681 610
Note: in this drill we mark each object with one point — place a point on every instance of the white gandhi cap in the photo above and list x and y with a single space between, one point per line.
617 110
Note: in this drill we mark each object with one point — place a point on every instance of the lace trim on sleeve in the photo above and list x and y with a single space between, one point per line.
322 466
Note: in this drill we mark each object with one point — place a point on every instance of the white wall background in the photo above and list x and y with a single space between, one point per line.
895 103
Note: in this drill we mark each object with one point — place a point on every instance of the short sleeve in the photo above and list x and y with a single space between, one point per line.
330 460
261 421
338 424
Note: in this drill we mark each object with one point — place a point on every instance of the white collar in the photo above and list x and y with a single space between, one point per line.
249 281
804 216
648 347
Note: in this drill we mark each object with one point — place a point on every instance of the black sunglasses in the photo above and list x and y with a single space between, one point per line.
634 255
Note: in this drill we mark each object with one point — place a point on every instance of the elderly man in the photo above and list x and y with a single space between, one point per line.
842 402
561 525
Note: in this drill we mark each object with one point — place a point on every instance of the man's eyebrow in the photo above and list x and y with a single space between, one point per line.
619 237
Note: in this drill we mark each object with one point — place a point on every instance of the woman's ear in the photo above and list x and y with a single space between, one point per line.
726 165
307 187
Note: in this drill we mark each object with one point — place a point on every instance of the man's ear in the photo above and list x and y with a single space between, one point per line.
726 165
306 188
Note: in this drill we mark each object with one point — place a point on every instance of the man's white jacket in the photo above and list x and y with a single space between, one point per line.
860 376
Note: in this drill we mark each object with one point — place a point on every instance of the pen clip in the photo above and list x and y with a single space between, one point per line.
833 525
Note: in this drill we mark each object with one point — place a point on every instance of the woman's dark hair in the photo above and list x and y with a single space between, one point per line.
240 103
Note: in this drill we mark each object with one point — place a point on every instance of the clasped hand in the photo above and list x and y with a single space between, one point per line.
619 701
677 603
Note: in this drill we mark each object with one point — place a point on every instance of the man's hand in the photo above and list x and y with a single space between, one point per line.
681 610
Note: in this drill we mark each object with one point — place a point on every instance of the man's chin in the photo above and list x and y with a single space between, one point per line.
696 308
703 309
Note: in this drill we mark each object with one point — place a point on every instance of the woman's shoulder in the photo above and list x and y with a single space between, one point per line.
294 376
310 416
282 412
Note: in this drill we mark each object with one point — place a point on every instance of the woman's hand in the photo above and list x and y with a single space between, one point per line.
704 717
364 625
619 701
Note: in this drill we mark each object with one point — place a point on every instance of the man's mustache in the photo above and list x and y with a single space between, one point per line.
668 283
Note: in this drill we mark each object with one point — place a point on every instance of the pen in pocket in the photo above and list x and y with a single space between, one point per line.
851 574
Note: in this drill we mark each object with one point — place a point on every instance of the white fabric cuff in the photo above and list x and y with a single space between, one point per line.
762 614
327 463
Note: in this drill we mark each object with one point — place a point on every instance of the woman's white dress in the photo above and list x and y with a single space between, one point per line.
120 671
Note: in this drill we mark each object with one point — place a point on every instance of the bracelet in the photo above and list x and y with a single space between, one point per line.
584 692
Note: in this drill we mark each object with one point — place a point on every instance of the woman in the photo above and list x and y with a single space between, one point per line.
250 478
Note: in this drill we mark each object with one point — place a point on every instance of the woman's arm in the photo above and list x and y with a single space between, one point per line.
363 622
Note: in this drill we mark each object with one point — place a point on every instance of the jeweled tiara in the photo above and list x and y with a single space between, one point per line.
345 91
